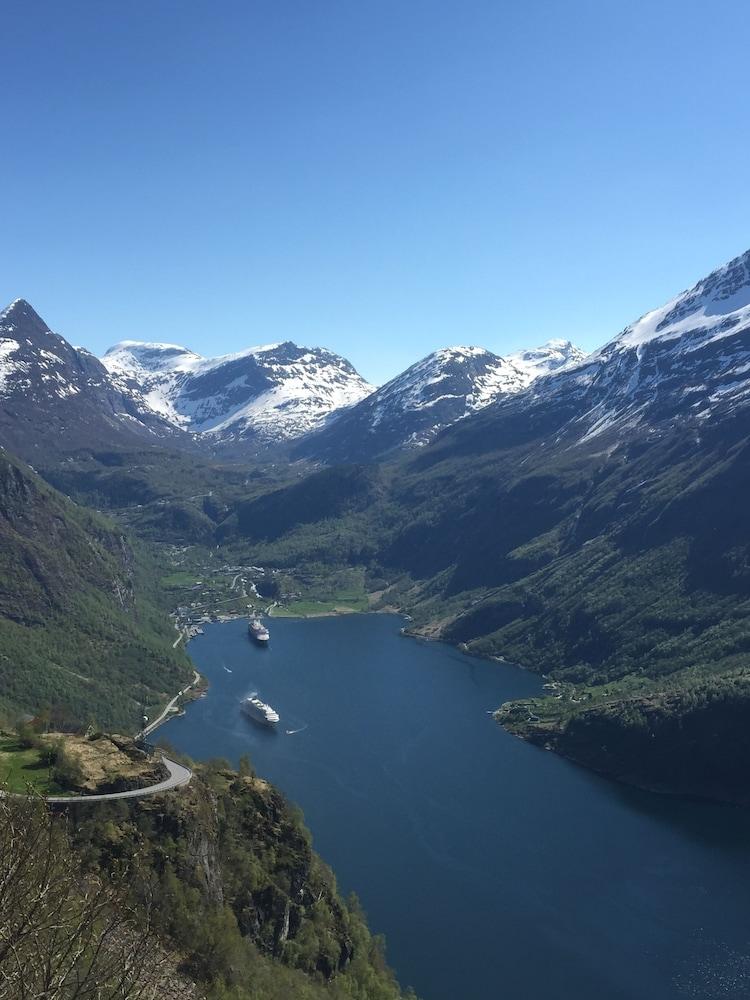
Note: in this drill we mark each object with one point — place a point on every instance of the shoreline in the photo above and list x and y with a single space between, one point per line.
549 745
633 782
171 709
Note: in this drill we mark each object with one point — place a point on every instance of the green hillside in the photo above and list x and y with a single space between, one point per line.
82 632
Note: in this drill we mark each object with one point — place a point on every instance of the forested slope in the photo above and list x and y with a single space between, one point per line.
81 629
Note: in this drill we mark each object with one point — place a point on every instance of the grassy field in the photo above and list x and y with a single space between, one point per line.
21 768
309 609
180 579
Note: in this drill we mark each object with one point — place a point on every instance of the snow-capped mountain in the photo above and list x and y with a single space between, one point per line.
267 394
432 394
262 396
686 363
55 397
550 357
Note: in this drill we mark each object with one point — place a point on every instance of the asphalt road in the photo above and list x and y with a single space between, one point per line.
170 707
179 775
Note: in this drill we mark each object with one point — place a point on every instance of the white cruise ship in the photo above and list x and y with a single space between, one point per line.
259 711
258 631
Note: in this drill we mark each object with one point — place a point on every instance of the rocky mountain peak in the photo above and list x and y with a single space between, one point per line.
552 356
54 396
20 316
271 392
17 307
441 389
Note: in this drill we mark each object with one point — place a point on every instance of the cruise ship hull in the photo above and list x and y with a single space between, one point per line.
257 715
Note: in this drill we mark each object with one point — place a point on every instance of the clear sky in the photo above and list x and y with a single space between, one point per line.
381 178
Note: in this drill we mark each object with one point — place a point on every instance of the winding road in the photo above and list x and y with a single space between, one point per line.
170 708
179 775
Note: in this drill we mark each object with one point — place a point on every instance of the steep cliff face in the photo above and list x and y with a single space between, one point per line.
238 886
238 842
51 550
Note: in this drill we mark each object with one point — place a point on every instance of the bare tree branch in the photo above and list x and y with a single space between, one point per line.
64 934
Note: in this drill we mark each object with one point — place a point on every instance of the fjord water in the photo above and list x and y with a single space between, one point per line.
494 868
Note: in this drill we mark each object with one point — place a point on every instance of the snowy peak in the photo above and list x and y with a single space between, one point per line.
268 393
713 308
441 389
34 361
153 373
550 357
454 379
54 396
684 365
135 357
464 379
277 392
726 290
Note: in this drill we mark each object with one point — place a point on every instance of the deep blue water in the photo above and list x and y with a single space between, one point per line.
495 869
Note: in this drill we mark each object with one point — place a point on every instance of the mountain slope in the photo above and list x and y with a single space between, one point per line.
687 362
236 888
592 526
264 395
79 630
411 409
55 398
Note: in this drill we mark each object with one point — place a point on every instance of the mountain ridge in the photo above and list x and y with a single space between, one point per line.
446 386
240 404
270 393
285 393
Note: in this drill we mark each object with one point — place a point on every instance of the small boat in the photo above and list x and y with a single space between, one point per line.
259 711
258 631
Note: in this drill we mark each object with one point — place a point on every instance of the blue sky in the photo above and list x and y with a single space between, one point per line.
381 178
